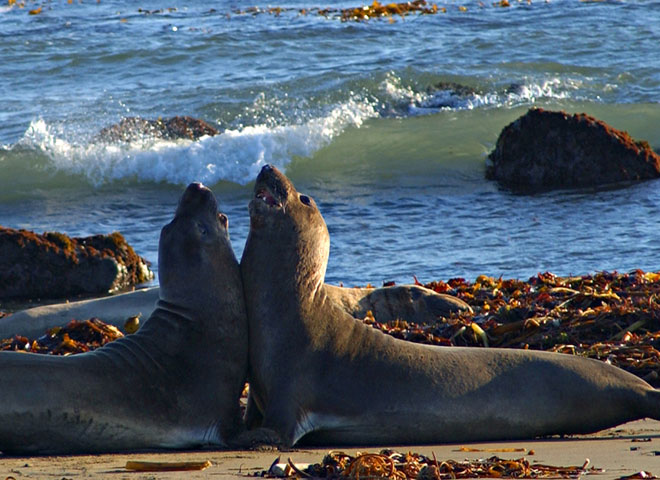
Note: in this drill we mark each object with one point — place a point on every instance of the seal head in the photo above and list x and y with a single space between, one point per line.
292 224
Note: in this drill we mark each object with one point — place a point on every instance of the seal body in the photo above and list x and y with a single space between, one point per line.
412 303
176 383
114 310
319 376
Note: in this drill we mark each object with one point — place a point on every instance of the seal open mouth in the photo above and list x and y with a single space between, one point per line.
267 197
271 188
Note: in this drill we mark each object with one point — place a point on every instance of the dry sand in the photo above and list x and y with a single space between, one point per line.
624 450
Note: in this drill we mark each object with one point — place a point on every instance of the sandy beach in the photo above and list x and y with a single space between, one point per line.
618 452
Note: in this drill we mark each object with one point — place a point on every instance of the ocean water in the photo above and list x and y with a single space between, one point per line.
387 123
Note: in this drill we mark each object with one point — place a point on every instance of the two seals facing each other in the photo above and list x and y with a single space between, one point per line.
173 384
320 376
177 382
316 373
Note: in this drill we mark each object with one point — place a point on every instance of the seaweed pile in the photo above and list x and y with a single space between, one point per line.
608 316
362 13
394 465
75 337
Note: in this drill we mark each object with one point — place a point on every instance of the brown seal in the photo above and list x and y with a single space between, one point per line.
319 375
176 383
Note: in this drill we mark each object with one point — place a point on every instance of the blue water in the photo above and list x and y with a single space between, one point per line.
352 111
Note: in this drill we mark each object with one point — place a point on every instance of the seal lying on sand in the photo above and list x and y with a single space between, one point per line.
412 303
406 302
174 384
319 375
115 310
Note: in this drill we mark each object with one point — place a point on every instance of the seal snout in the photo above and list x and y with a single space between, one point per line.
272 187
196 196
196 186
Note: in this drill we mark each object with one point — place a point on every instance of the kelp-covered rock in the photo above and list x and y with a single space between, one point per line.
545 150
54 265
174 128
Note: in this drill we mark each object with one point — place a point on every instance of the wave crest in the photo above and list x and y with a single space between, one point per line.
235 155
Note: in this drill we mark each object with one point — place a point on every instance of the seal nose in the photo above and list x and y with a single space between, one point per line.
196 186
197 194
267 168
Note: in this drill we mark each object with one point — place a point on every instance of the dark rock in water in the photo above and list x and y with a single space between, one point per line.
456 89
54 265
135 128
186 127
545 150
448 95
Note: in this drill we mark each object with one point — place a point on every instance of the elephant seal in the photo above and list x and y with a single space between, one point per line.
115 309
319 376
411 303
176 383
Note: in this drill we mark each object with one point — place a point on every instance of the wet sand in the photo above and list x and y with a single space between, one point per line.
620 451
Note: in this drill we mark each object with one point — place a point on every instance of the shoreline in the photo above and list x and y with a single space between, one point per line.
621 451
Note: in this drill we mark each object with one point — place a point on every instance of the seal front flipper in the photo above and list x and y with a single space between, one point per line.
260 439
253 416
652 407
283 421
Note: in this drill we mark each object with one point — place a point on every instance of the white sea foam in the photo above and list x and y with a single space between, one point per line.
408 101
235 155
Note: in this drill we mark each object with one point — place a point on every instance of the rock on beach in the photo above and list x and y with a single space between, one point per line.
54 265
545 150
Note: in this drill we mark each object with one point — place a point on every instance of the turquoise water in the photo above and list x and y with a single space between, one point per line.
357 113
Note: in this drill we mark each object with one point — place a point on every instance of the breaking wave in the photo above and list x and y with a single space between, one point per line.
234 156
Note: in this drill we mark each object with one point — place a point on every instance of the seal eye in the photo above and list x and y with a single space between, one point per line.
305 199
202 228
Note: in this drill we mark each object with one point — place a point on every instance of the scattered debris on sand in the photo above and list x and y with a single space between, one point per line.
403 466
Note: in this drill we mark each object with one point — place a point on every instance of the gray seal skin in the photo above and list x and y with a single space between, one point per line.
319 376
176 383
115 309
412 303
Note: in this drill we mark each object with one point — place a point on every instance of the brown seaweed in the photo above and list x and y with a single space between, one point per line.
75 337
403 466
608 316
